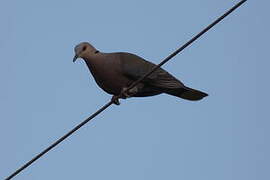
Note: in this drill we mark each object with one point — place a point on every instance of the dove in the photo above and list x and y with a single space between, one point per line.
115 72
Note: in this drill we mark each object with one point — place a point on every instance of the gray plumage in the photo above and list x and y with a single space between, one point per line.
114 72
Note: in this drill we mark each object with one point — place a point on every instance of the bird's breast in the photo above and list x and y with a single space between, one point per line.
109 78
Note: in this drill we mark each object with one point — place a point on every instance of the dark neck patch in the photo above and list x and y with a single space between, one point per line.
96 51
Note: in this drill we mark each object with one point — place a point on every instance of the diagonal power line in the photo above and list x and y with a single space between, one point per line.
130 87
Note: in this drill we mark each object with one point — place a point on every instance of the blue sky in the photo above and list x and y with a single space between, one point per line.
43 94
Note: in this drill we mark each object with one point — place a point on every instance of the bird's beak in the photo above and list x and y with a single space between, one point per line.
75 57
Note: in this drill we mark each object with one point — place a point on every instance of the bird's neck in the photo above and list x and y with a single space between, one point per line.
93 62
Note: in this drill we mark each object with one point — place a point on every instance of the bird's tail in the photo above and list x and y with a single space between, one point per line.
187 93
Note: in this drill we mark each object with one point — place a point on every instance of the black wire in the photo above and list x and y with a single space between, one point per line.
59 140
130 87
187 44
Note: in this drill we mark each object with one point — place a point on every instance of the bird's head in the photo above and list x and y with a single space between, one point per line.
83 49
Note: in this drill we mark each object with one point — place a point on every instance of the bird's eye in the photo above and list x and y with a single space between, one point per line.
84 48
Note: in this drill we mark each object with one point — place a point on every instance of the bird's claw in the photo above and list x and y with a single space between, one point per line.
115 100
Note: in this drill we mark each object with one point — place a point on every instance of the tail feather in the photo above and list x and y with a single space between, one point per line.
187 93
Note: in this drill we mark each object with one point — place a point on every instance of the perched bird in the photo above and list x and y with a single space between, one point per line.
115 72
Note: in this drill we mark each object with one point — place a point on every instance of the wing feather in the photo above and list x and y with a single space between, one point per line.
135 67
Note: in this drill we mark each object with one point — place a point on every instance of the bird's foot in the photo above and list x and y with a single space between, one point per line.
115 100
124 94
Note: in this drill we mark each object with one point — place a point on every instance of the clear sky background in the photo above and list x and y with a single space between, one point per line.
43 94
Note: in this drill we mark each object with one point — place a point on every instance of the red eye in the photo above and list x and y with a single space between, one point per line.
84 48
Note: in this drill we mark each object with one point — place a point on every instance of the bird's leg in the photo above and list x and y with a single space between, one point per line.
126 93
131 92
